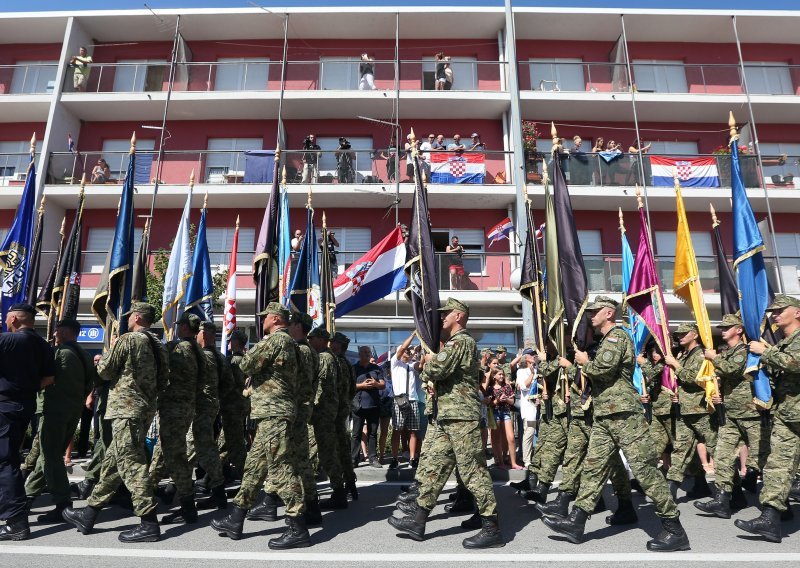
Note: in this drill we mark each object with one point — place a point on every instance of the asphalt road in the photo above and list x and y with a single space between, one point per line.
360 536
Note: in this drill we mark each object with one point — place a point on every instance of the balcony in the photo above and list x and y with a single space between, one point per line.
25 91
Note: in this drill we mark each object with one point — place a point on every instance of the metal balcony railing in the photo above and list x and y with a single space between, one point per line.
28 79
14 168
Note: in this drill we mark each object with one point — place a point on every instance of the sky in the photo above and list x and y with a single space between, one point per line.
74 5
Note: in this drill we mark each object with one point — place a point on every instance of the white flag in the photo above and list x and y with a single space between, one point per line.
179 270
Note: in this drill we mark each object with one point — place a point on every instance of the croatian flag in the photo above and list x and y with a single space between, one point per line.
696 172
373 276
500 231
447 167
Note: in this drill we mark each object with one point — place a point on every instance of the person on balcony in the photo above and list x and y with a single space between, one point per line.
425 149
456 263
636 150
311 159
439 144
80 64
391 159
457 147
579 163
475 144
441 76
366 72
101 172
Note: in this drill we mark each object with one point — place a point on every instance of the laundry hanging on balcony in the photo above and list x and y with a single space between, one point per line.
463 168
692 172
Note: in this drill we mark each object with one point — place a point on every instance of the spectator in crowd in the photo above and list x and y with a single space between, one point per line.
503 435
386 409
405 368
527 390
80 69
369 382
101 172
485 391
409 156
439 143
366 72
476 145
441 75
456 263
311 158
456 146
391 159
344 162
636 150
425 149
297 240
579 163
449 78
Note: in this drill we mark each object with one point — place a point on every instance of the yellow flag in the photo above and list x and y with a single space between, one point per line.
686 285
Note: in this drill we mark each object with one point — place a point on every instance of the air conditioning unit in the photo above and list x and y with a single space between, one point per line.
20 176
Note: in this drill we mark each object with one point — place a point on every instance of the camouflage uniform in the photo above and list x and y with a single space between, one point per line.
661 425
234 408
619 424
346 389
456 437
743 422
783 362
175 413
200 442
136 379
323 418
552 440
695 424
272 365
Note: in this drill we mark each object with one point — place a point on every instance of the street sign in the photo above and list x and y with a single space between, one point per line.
91 334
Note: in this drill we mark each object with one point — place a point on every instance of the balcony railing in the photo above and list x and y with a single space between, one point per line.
28 79
265 75
14 167
224 167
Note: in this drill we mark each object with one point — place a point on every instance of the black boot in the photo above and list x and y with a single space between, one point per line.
624 515
16 528
601 506
671 538
673 489
167 493
313 514
82 490
218 499
738 500
54 515
464 503
412 526
473 523
719 506
337 500
411 487
767 525
408 496
794 492
295 536
202 483
636 486
81 519
524 485
787 515
409 508
750 480
351 488
489 537
230 525
558 508
147 531
265 510
187 513
572 527
538 493
700 488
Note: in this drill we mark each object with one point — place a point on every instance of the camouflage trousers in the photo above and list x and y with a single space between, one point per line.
99 451
690 430
298 455
456 443
169 456
55 433
661 432
313 450
736 430
575 455
126 462
343 448
550 447
424 463
36 450
202 448
781 465
270 454
626 431
231 443
327 443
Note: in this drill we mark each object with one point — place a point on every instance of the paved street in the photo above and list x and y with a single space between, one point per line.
362 536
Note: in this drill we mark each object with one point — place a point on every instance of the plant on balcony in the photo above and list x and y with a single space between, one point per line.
724 149
529 136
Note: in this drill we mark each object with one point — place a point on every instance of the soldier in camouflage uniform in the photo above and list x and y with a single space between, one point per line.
273 365
233 410
619 424
696 425
346 391
743 422
137 366
783 363
661 426
456 438
83 489
175 414
502 356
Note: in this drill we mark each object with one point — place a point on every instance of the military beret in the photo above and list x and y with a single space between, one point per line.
142 308
500 349
730 320
192 320
686 327
238 335
341 338
71 324
209 326
454 305
319 331
783 301
27 308
601 302
274 308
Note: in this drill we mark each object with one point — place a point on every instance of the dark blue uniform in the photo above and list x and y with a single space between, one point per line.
25 358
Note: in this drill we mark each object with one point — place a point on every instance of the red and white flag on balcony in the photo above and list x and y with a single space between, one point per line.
692 172
229 310
447 167
500 231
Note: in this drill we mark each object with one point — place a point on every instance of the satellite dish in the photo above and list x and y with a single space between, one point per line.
516 274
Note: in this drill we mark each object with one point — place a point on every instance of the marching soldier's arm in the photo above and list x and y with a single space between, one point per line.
605 365
254 362
787 360
689 369
730 364
113 361
444 363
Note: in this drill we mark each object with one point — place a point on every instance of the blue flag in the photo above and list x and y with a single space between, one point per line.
751 275
200 288
15 254
120 263
285 257
637 330
307 263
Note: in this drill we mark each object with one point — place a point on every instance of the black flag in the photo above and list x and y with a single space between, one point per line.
265 262
423 278
36 259
326 268
530 284
67 288
141 267
728 293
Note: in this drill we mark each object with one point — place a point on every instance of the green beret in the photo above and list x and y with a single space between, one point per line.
686 327
277 309
209 326
192 320
341 338
454 305
730 320
500 349
142 308
602 302
783 301
319 331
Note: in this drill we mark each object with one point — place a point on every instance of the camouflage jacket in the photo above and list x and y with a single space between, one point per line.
783 361
307 379
207 401
345 386
179 398
135 378
454 372
550 371
234 399
659 398
326 397
736 390
691 395
611 372
273 365
576 410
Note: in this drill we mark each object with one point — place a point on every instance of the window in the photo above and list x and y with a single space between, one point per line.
659 76
768 78
148 76
494 338
115 153
361 146
473 242
673 148
34 77
592 250
353 241
242 74
14 160
220 242
703 250
465 73
557 74
226 157
3 233
789 246
97 247
339 73
788 174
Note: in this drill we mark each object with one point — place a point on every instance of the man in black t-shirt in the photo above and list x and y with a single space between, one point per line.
366 405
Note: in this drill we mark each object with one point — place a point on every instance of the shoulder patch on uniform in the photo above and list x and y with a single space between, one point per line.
608 356
441 356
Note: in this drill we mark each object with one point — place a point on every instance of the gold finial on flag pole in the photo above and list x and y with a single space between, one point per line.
191 180
621 222
278 152
237 221
133 143
324 221
283 175
41 206
639 202
554 135
545 175
714 220
205 201
33 144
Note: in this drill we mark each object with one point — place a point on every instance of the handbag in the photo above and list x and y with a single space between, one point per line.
402 400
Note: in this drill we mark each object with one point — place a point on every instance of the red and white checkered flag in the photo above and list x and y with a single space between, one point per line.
229 310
